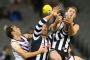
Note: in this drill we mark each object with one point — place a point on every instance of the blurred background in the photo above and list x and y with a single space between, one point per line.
26 13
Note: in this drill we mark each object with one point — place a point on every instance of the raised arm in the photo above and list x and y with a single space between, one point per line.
28 36
38 27
56 24
72 29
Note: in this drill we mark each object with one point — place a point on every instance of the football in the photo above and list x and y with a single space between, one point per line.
47 9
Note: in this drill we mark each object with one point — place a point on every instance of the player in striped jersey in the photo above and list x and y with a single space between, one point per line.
61 46
19 43
40 37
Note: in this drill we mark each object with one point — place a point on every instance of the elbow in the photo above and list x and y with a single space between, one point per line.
72 34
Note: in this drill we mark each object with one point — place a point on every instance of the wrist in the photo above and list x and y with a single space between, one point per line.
39 51
51 15
70 23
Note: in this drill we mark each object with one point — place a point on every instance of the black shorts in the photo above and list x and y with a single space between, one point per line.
62 54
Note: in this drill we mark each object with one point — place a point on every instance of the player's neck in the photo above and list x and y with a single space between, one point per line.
44 37
17 37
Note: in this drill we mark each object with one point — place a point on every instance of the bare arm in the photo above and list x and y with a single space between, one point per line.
72 30
76 28
28 36
56 24
38 27
28 54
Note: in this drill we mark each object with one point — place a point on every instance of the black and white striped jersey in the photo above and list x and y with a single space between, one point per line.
63 43
38 41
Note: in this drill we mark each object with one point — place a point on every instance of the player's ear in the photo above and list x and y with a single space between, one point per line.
65 13
74 15
13 32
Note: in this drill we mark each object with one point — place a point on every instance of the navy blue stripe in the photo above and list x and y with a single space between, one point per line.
37 30
43 21
36 35
24 46
39 25
25 49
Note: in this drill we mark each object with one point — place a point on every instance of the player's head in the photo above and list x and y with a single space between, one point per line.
12 30
44 30
71 11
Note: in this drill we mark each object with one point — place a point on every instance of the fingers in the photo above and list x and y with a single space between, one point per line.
44 49
56 9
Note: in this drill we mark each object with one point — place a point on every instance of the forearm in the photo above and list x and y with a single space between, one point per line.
48 17
71 30
54 26
31 54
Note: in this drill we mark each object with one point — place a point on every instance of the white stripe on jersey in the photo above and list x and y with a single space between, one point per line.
54 44
60 44
57 36
38 27
37 32
40 22
38 57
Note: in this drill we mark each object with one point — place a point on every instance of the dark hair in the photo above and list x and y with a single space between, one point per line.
8 31
72 8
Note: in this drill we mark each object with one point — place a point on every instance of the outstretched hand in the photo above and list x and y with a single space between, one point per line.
53 13
55 10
